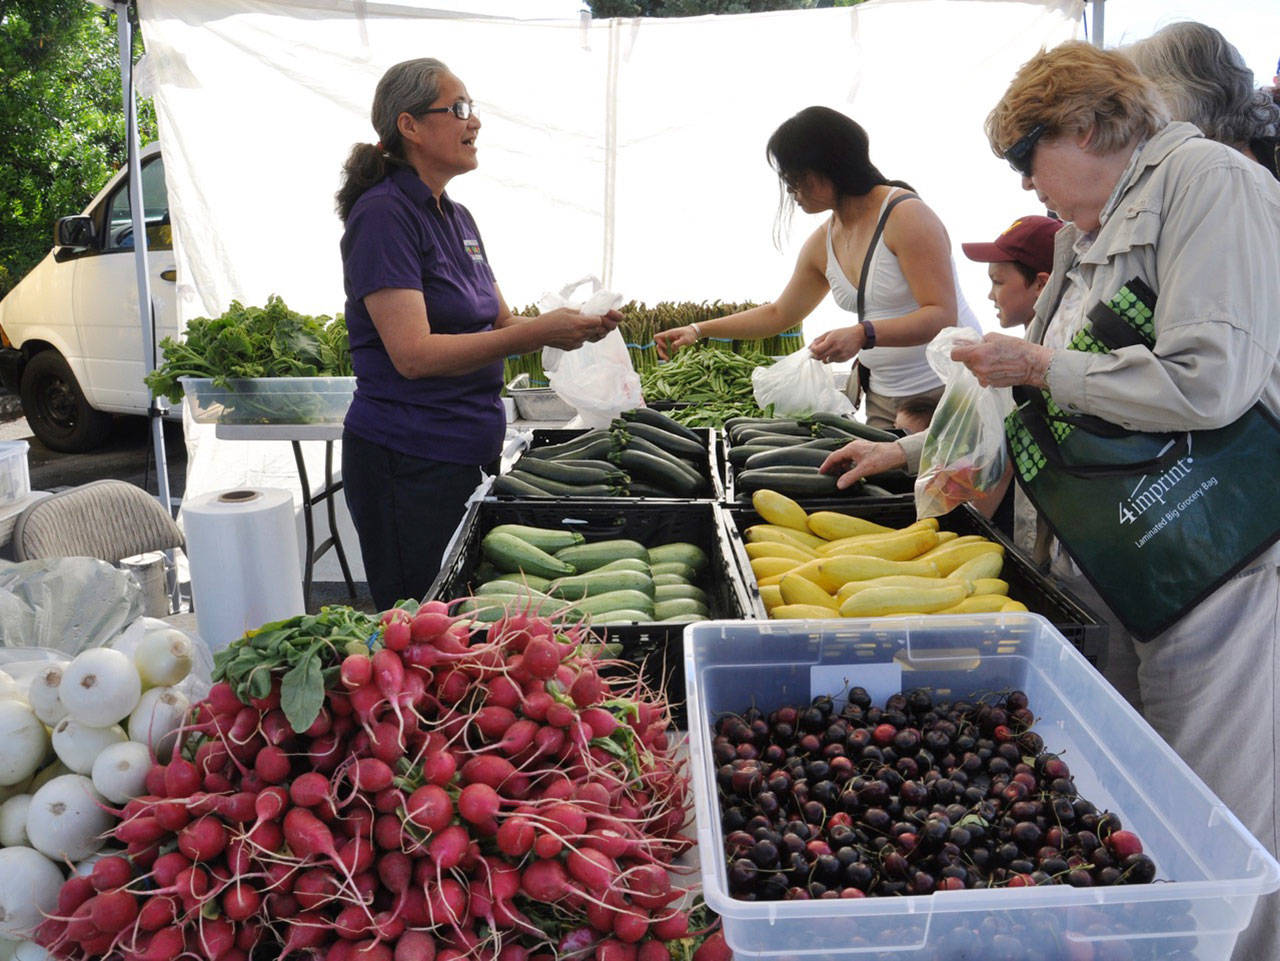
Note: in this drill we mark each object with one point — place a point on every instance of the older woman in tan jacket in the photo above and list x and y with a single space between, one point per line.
1199 223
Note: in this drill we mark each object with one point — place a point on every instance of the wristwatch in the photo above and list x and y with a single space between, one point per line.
869 332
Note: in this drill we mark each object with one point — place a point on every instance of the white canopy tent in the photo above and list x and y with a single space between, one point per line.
629 149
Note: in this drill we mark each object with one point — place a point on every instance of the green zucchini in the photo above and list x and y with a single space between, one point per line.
490 607
647 415
678 606
669 592
671 443
684 619
658 470
849 427
679 568
514 486
588 585
623 617
564 473
510 553
737 455
587 557
626 599
638 488
669 580
557 489
792 481
682 551
792 428
510 585
787 457
549 539
592 445
624 564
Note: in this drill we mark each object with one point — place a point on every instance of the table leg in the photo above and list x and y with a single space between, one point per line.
330 492
309 553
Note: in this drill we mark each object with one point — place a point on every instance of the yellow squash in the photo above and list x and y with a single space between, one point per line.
902 546
779 549
985 565
800 590
833 526
859 567
801 612
882 601
892 580
952 554
772 566
780 509
771 595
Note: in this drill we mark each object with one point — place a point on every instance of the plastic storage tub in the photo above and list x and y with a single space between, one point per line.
1040 593
1214 870
269 400
15 475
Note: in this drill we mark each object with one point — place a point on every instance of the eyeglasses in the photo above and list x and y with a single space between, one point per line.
1019 155
462 109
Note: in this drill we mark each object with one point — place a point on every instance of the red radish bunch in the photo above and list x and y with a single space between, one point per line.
492 796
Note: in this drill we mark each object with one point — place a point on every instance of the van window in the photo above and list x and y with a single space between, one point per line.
155 204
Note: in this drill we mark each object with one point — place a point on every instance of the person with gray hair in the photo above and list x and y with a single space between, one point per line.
1203 80
428 328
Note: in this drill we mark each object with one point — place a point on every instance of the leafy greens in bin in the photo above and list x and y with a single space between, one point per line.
245 342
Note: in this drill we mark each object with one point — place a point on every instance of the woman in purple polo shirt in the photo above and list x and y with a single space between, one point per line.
429 330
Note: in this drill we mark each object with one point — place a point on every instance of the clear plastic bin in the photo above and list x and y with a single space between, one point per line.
269 400
1213 869
15 476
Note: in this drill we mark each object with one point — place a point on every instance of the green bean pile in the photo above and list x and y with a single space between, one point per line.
715 383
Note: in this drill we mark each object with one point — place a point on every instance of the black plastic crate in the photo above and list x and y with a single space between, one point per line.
710 468
1026 583
897 483
657 648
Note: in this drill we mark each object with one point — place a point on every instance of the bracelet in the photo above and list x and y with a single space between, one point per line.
869 331
697 332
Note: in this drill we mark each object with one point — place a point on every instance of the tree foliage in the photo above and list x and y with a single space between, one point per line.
60 110
697 8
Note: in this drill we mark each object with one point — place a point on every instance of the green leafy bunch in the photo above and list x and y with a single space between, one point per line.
270 341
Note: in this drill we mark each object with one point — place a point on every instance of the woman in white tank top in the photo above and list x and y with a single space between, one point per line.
822 159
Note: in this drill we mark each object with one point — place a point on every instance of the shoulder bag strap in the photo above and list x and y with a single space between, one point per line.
1035 417
871 249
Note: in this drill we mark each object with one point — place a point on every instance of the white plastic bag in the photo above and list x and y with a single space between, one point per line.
597 380
964 453
798 384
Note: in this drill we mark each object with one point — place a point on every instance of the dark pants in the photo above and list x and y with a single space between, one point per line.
404 509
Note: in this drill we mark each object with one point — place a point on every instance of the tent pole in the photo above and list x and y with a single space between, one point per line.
124 30
1099 17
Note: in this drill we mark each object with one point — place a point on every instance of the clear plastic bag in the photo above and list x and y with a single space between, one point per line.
964 453
597 380
798 384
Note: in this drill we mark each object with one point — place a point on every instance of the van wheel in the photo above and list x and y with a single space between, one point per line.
56 409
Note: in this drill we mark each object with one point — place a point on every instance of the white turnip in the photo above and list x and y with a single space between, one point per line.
100 687
78 745
66 820
13 821
8 686
119 773
163 657
23 742
29 886
43 694
161 711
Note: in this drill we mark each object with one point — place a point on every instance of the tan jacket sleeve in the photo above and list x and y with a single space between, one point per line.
1219 296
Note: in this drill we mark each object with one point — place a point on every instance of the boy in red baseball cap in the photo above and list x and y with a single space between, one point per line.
1020 260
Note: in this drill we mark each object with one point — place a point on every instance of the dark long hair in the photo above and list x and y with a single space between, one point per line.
408 87
822 141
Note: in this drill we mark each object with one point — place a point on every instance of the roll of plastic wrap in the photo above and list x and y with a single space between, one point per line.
243 553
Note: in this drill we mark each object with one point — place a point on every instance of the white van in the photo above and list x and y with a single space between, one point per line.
70 341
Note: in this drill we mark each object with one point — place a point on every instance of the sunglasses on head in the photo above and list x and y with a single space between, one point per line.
1019 155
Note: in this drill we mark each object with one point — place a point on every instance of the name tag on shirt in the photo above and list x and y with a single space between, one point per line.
472 247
